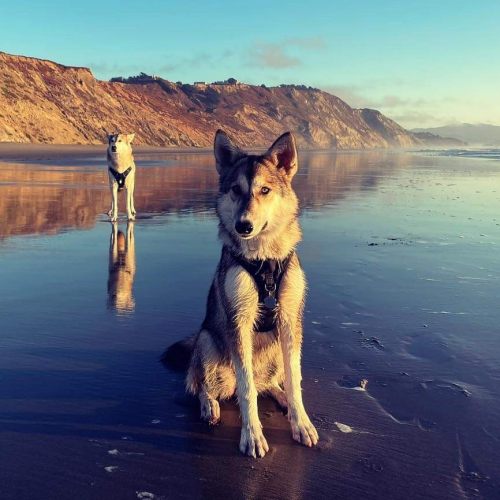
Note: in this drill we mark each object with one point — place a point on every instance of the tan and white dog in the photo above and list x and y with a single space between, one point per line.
250 341
121 172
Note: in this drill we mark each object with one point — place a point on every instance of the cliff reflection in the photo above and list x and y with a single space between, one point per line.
121 270
50 199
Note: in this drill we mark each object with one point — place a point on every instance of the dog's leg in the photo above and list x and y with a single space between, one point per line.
114 202
210 409
279 395
110 211
132 189
291 299
243 297
130 216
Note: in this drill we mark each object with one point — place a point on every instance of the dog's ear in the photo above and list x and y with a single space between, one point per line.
226 153
283 154
130 138
108 137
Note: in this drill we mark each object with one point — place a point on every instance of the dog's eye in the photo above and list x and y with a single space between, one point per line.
119 140
236 189
265 190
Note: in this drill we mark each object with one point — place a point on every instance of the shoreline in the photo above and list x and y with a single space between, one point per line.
10 151
24 151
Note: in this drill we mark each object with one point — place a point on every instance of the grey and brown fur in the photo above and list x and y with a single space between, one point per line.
227 356
120 158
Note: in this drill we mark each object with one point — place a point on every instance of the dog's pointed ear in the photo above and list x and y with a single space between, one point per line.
108 137
226 153
130 138
283 154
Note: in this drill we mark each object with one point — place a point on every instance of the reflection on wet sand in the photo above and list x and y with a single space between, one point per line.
121 270
43 199
325 177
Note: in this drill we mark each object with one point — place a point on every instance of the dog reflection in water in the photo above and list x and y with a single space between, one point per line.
121 270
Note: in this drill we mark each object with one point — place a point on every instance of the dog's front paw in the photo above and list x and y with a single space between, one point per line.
252 442
304 431
131 217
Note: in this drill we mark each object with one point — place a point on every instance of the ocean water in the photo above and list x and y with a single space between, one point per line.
402 257
481 153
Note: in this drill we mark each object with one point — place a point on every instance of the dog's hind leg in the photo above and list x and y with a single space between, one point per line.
202 377
132 200
130 215
111 210
210 409
279 395
114 202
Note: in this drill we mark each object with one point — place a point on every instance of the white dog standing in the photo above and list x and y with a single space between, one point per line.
121 170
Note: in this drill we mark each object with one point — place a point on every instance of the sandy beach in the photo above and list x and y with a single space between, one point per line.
401 351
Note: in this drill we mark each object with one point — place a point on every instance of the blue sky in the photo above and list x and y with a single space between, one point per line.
423 63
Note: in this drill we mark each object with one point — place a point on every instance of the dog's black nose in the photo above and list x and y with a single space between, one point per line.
244 227
113 148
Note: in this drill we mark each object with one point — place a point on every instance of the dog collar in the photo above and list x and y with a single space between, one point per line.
120 177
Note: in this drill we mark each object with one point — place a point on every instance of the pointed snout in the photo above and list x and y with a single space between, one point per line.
244 227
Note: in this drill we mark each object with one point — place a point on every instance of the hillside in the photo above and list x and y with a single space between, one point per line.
41 101
474 134
434 140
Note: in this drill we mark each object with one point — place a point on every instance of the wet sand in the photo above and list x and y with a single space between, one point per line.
401 254
30 151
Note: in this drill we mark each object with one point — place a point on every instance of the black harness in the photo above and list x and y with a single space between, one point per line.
120 178
267 275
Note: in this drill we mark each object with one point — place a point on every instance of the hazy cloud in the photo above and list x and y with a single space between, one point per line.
272 55
309 43
351 94
277 55
416 119
354 96
104 70
186 63
410 113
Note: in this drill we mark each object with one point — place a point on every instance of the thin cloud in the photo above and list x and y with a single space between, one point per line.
272 55
186 63
350 94
308 43
277 55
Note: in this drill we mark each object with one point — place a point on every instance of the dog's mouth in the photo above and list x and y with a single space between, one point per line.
253 234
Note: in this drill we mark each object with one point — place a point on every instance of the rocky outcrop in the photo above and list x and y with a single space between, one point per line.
45 102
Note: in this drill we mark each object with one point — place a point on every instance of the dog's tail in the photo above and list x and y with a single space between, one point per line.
178 355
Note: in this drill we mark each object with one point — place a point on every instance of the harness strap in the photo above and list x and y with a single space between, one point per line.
267 275
120 177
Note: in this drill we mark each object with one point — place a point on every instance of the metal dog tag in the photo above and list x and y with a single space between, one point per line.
270 302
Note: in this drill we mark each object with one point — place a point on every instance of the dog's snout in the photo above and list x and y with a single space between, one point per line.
113 148
244 227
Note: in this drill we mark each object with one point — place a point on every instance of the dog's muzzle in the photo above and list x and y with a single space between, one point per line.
113 149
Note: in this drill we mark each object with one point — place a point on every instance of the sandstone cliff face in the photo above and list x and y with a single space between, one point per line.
41 101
